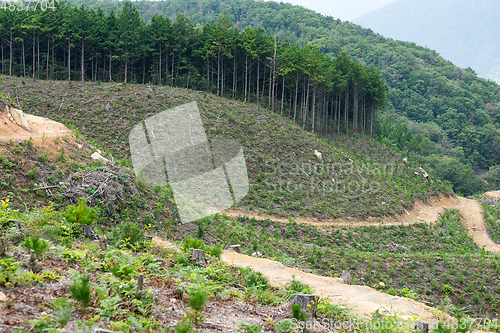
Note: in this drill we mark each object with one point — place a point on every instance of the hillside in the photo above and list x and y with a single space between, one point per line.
462 31
451 109
414 261
357 176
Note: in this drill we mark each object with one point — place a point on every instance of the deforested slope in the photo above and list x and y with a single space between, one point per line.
355 177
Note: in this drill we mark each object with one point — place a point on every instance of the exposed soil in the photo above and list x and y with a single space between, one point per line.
494 194
39 127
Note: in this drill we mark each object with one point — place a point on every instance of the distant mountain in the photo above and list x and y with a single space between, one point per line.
463 31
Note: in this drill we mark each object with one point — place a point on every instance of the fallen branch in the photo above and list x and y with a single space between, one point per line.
115 85
45 187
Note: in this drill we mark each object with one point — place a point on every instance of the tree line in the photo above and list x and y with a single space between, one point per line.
325 94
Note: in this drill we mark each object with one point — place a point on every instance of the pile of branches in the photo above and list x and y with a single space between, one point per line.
106 186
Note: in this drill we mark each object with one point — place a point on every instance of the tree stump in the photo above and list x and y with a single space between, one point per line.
3 246
88 232
198 257
236 248
33 264
140 286
103 243
346 276
17 224
424 327
306 302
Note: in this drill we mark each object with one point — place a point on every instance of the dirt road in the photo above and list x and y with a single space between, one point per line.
470 210
361 299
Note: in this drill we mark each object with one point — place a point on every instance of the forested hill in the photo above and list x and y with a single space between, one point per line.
456 111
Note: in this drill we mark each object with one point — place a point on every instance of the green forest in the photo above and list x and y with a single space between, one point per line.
328 75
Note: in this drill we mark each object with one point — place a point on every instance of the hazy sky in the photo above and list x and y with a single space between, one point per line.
346 10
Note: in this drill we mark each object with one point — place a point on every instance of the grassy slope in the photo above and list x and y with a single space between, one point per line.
359 177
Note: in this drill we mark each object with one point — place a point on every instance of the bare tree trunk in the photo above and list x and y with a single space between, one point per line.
172 71
258 76
81 60
296 96
234 76
24 61
218 73
313 106
48 55
110 56
159 72
371 122
1 43
38 60
126 68
345 108
34 56
282 93
274 78
208 75
246 76
355 108
69 60
10 45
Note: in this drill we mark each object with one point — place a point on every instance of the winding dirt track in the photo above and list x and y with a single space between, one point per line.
470 210
361 299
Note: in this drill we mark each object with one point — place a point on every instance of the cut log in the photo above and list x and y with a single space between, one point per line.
346 276
198 257
306 302
235 248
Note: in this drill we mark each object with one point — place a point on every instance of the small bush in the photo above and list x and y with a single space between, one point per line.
192 243
298 313
198 299
129 236
80 214
80 289
249 328
36 244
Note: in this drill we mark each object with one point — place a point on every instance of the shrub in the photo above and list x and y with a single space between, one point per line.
215 251
249 328
36 244
184 326
198 299
254 279
298 313
80 289
192 243
129 236
80 214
